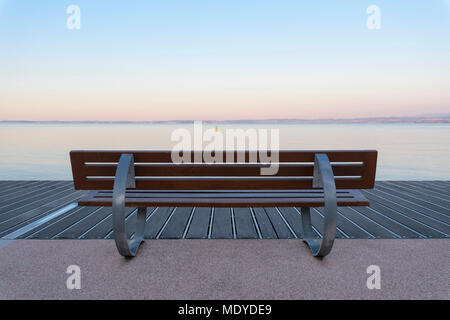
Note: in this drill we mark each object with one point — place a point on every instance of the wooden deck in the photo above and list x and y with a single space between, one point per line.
399 209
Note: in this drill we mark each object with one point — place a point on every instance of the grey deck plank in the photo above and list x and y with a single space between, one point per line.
104 227
24 200
6 185
388 222
399 209
293 219
418 205
47 202
130 224
84 225
177 223
404 217
156 221
419 214
265 226
280 227
28 190
27 214
429 186
222 225
349 227
363 221
444 184
427 198
13 188
61 223
198 229
317 221
245 226
440 184
29 194
418 188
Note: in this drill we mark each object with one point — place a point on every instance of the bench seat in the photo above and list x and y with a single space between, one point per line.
302 179
224 198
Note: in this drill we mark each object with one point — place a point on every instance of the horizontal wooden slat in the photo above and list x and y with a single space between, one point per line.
218 195
228 199
284 155
222 183
174 170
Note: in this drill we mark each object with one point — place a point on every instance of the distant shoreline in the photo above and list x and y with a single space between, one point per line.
374 120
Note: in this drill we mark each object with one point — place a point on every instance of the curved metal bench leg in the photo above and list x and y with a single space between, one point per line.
323 177
125 179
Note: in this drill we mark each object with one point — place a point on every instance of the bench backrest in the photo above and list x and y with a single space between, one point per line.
154 170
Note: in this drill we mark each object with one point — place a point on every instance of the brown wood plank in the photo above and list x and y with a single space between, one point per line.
222 202
217 183
201 194
237 170
83 165
165 156
204 198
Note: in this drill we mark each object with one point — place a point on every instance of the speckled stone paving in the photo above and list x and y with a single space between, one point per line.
225 269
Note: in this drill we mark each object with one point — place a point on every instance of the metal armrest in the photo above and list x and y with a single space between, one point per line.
125 179
323 178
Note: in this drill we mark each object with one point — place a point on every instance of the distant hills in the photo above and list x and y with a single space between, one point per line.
444 118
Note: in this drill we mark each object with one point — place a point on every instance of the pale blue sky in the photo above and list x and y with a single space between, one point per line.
228 59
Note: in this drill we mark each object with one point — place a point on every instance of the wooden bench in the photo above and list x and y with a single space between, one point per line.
144 179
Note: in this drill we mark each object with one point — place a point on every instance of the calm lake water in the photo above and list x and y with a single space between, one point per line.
406 151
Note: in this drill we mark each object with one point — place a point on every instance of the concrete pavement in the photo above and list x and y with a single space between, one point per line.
225 269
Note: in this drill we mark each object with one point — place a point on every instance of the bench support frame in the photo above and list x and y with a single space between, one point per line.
124 179
323 178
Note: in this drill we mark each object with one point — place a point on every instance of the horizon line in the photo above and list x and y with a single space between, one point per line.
444 118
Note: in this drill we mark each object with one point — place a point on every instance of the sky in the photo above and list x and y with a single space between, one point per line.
223 60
